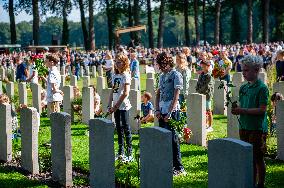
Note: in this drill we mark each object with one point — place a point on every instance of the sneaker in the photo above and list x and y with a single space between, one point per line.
180 172
128 159
209 129
119 157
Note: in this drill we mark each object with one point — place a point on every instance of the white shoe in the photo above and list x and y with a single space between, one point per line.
209 129
120 157
128 159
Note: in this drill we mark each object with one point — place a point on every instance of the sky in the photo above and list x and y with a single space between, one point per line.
4 15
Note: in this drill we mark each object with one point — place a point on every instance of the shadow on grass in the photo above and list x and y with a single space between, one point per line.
220 117
194 153
13 178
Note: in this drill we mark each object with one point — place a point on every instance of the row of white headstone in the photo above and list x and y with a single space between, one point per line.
155 150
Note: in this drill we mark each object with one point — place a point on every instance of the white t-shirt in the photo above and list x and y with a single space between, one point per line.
109 63
118 82
53 78
35 78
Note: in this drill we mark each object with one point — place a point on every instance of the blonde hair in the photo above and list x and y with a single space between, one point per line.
122 58
108 55
181 61
252 61
4 99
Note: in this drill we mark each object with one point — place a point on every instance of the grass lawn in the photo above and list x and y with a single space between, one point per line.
194 159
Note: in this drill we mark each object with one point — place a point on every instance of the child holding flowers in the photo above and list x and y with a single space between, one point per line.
167 106
205 85
121 105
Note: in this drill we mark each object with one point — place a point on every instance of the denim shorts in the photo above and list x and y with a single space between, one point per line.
208 105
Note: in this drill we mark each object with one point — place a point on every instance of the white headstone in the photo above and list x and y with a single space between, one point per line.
197 118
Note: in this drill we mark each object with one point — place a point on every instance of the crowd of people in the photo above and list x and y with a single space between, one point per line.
174 67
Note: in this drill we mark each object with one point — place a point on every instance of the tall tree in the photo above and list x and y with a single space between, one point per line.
265 20
196 21
130 17
136 16
109 23
65 29
235 26
217 22
250 24
35 7
161 23
83 24
186 22
204 21
150 25
12 22
91 26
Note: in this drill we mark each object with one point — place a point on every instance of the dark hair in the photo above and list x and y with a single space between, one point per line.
276 97
148 95
165 59
94 88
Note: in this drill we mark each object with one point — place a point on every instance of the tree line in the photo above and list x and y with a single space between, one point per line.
169 22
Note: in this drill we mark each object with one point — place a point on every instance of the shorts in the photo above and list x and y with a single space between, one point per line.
208 105
53 106
258 140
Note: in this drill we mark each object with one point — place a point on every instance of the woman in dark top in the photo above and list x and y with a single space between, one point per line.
280 66
22 70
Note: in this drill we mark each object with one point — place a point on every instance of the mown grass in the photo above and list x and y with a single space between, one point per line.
194 158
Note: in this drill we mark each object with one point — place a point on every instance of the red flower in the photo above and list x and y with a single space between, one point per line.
186 132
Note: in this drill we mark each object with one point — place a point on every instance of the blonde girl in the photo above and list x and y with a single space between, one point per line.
121 105
182 67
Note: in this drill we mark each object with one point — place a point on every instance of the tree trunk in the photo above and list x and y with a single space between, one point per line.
136 16
130 18
65 29
235 32
91 26
265 20
217 22
83 24
109 24
186 22
204 21
150 25
12 22
35 22
161 24
196 21
250 24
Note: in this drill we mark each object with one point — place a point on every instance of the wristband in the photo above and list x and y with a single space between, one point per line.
157 111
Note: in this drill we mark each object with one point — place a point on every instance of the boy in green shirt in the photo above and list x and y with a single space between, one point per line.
253 98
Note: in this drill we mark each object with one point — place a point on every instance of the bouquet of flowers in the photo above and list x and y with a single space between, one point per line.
39 65
180 127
